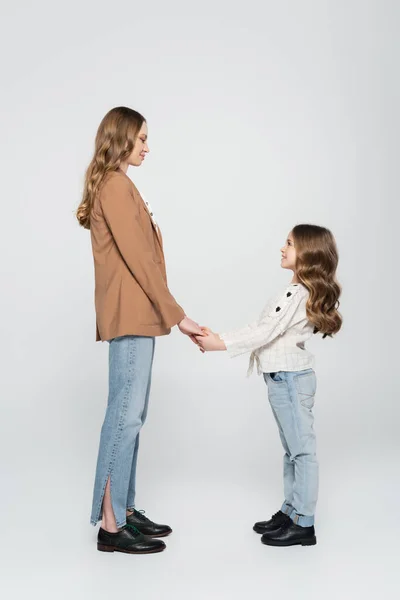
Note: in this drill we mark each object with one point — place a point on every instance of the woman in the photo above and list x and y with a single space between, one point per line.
133 307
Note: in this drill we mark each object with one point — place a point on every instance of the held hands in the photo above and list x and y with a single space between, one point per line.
190 327
209 341
203 337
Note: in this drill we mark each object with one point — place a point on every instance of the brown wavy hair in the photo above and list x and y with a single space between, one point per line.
316 263
114 143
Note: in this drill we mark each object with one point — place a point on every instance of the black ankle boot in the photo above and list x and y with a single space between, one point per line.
290 534
273 524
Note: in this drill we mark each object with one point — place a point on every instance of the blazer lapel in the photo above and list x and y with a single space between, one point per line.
156 229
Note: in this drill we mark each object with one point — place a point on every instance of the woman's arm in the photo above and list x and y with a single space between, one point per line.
121 212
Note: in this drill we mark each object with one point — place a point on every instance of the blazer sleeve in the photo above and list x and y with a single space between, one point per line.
121 212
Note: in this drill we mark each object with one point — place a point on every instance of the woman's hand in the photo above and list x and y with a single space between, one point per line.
189 327
210 341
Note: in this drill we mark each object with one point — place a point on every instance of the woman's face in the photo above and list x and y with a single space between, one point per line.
288 252
140 149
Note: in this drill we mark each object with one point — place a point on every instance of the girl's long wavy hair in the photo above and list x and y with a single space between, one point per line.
115 140
316 263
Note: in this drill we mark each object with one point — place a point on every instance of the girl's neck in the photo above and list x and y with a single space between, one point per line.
295 279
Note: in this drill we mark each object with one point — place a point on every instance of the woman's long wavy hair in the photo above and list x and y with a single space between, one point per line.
115 140
316 263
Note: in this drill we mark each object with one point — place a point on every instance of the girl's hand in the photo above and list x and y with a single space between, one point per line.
194 340
205 331
210 341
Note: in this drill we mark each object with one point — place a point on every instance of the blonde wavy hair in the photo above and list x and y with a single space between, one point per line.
114 143
316 263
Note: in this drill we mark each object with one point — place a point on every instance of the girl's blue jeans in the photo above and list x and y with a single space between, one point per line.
291 396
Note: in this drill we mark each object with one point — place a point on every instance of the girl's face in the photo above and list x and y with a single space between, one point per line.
140 149
288 252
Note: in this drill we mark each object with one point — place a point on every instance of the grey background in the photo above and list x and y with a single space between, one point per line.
261 115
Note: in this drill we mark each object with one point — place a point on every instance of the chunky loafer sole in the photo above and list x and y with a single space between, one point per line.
310 542
106 548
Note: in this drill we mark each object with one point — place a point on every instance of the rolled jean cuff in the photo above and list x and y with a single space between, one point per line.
302 520
287 509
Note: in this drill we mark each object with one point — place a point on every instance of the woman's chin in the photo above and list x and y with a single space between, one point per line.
136 163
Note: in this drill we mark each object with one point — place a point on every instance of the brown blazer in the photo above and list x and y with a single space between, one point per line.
131 292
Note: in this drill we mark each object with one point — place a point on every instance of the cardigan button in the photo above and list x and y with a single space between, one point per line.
278 308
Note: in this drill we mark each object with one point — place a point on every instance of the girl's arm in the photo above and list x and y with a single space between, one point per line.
288 310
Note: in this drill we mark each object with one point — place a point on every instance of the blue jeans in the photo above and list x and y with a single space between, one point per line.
130 364
291 395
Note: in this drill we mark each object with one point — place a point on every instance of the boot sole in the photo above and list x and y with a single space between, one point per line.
311 542
104 548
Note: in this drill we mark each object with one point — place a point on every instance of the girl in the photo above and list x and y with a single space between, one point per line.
133 307
277 344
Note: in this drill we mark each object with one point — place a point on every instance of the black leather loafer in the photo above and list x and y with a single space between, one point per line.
141 522
128 540
290 534
273 524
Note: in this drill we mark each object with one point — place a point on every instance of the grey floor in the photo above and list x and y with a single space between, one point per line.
49 550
